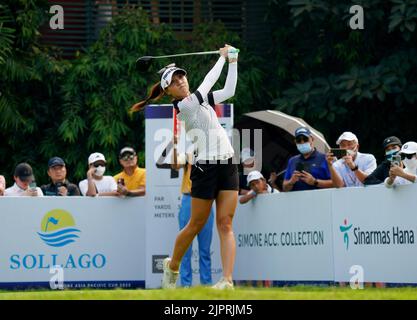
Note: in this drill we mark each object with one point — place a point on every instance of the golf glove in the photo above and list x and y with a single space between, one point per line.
232 53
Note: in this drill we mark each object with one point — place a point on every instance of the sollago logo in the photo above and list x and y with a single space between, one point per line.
58 228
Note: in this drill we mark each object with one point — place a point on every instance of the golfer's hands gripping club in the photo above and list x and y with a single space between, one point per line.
230 52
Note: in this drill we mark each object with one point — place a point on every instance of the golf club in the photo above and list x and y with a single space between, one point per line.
143 63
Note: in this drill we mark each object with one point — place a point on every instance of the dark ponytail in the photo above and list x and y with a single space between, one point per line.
155 94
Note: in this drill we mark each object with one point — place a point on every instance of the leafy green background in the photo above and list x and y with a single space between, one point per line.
314 66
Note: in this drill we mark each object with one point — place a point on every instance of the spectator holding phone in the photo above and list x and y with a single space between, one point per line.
398 174
309 169
131 182
97 184
392 146
353 168
25 184
59 185
2 185
258 185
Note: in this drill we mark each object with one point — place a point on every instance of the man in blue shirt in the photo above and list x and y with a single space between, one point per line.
308 170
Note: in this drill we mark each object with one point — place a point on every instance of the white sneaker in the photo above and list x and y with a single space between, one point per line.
223 284
169 279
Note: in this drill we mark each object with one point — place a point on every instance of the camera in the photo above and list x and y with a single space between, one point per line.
396 160
300 167
59 185
32 186
121 181
339 153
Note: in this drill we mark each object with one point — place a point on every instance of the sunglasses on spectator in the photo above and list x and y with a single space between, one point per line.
128 157
99 164
301 139
408 156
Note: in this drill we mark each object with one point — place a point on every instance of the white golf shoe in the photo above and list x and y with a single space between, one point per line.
169 279
223 284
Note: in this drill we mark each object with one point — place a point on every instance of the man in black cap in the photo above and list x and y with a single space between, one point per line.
392 145
24 183
131 182
59 186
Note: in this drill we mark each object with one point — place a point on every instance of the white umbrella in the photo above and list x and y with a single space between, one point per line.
290 124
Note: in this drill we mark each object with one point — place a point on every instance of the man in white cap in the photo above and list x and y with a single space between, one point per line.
97 183
258 185
352 169
398 174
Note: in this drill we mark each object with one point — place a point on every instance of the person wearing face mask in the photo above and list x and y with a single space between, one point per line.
309 169
352 169
399 175
97 184
392 146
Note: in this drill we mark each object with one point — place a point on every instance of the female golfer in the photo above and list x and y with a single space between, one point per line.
213 175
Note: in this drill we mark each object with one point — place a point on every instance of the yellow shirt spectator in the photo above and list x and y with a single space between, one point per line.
136 180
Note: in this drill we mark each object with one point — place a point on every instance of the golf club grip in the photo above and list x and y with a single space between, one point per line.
187 54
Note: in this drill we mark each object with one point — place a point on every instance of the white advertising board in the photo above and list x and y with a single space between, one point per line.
98 242
285 237
375 229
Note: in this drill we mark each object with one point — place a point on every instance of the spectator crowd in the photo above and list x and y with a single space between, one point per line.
341 167
130 182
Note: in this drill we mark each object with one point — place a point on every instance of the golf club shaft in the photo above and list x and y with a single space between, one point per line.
186 54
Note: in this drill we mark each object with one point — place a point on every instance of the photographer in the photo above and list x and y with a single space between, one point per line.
392 146
25 184
398 174
59 186
352 169
131 182
97 184
308 170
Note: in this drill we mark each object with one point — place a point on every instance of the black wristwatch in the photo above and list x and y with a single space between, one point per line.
355 168
316 183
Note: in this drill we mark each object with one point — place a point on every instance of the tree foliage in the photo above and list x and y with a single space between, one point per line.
71 108
341 79
29 78
316 67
